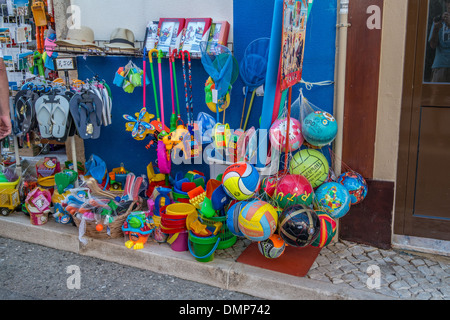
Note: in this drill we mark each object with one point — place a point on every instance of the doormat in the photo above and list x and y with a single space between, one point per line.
294 261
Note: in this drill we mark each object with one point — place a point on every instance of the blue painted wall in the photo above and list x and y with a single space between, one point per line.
252 20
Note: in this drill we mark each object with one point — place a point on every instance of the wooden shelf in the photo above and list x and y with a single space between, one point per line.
105 51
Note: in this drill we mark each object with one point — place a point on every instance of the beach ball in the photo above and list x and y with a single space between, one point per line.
319 128
299 225
355 184
328 229
294 189
240 181
333 198
232 217
277 134
273 247
311 164
258 220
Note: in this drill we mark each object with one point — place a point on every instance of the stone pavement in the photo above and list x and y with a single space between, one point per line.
343 270
402 274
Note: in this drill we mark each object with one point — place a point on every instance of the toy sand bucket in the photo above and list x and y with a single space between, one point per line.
157 234
180 196
134 76
203 248
227 238
37 218
173 218
178 241
118 79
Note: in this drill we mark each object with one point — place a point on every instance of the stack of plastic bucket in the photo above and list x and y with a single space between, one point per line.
173 223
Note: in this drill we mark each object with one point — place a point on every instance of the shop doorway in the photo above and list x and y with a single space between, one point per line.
423 181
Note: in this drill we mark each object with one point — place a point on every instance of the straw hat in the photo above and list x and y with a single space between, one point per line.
122 39
79 37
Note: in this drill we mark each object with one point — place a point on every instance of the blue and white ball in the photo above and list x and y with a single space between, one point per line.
233 217
333 198
240 181
319 128
355 184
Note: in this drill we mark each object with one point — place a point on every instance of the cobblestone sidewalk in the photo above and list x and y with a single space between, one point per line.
402 274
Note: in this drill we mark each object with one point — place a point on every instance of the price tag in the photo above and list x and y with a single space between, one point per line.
214 95
64 64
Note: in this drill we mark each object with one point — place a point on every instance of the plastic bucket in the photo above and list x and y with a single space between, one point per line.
180 197
227 238
203 248
178 241
118 80
173 218
179 209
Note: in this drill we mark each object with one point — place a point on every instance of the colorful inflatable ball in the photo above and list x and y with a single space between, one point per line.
328 229
333 198
311 164
319 128
355 184
240 181
258 220
294 189
268 185
299 225
233 216
277 135
273 247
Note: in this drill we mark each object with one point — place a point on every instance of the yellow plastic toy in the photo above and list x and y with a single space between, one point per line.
197 196
200 229
222 135
152 177
39 13
209 86
146 118
9 200
46 182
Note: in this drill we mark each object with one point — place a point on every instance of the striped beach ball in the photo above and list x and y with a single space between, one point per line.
233 216
328 229
240 181
258 220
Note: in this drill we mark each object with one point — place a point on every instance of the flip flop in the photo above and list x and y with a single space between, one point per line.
95 114
80 112
24 109
59 117
43 115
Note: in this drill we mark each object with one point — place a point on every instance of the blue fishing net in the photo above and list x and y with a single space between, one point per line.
220 65
253 66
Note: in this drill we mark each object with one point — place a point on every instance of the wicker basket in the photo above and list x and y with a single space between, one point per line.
115 228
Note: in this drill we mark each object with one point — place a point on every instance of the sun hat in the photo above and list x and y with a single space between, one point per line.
79 37
121 38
